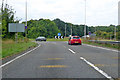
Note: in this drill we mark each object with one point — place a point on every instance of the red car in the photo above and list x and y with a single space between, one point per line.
74 40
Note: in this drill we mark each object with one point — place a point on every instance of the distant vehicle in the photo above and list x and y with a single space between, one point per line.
74 40
41 39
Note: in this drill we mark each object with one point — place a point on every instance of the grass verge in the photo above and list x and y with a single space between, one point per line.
9 47
115 46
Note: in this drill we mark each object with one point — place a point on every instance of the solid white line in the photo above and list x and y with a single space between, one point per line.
102 48
71 51
97 69
18 57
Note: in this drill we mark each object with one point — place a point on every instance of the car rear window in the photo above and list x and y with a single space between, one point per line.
41 37
76 37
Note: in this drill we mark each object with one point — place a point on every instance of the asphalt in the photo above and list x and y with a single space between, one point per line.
55 60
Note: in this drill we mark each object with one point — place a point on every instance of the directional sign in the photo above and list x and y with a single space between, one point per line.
59 34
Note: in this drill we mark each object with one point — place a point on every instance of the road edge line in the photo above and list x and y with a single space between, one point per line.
71 51
97 69
18 57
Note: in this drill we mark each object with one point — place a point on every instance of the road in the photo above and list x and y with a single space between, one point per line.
60 60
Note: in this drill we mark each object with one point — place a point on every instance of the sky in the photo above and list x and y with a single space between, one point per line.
98 12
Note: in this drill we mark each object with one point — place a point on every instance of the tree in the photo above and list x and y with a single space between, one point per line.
42 27
7 17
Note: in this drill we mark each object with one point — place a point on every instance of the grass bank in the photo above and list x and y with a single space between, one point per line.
9 47
115 46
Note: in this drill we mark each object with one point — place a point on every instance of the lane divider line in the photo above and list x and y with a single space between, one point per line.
97 69
102 48
71 51
18 57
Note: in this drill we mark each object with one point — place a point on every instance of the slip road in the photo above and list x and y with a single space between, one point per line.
59 60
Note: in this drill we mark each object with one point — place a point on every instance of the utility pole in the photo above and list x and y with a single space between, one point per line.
115 33
71 30
65 30
95 30
26 20
85 21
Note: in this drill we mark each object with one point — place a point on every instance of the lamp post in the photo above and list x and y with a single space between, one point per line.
85 21
71 30
65 30
115 33
26 20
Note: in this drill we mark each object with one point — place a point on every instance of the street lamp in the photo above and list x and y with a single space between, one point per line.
85 21
115 33
65 30
26 20
71 30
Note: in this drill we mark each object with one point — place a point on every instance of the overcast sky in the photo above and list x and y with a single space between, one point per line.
99 12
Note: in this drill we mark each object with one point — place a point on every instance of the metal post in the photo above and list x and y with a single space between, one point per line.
85 21
16 34
115 33
65 30
71 30
26 20
95 29
110 37
16 37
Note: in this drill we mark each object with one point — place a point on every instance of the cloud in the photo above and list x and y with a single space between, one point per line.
99 12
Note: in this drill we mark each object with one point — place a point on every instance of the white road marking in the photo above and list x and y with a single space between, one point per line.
97 69
71 51
18 57
102 48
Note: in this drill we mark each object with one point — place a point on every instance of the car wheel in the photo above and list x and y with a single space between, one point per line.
68 43
80 44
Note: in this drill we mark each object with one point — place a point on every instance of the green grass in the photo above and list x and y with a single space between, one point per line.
52 39
9 47
0 48
102 45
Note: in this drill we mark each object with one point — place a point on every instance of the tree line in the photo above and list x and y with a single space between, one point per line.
50 28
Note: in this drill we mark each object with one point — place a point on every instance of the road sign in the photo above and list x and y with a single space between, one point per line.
59 34
25 27
89 33
16 27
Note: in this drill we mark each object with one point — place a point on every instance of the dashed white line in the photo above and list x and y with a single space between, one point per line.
71 51
102 48
18 57
97 69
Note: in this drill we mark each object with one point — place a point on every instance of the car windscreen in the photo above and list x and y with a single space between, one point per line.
76 37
